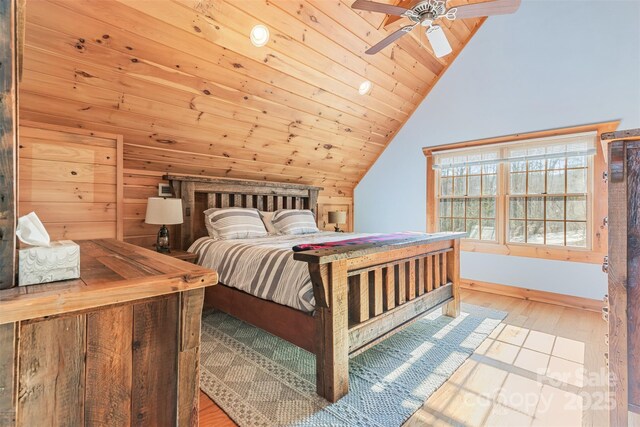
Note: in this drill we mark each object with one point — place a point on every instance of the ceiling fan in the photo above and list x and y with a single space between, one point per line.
425 13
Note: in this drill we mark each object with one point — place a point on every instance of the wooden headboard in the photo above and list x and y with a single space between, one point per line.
199 194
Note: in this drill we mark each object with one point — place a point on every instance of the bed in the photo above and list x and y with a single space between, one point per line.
352 296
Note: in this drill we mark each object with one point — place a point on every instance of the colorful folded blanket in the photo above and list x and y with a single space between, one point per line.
404 236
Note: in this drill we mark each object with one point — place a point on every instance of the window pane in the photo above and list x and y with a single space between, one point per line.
458 208
490 168
576 181
518 166
556 163
488 229
535 232
518 183
577 208
473 228
488 208
445 224
446 172
555 233
535 208
577 162
458 224
445 207
489 185
473 208
555 208
577 234
475 169
516 207
460 171
460 186
446 186
536 165
474 185
555 181
516 231
536 183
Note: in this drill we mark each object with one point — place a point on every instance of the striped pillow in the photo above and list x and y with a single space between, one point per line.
294 221
234 223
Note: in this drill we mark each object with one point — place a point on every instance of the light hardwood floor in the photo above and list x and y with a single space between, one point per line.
543 366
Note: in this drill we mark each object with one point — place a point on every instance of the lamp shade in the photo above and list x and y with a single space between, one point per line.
163 211
337 217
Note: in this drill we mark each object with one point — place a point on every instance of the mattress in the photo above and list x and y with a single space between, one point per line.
264 267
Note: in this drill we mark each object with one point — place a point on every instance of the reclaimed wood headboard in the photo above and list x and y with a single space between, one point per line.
199 194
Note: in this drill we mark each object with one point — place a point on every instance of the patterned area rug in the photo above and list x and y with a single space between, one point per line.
261 380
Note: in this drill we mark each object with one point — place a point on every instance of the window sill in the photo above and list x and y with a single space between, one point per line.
545 252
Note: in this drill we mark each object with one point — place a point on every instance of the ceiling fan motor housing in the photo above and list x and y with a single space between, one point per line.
425 12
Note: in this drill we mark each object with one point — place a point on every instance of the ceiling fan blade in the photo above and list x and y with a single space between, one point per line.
372 6
438 40
497 7
389 39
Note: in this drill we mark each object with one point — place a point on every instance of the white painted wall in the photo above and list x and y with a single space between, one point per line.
553 64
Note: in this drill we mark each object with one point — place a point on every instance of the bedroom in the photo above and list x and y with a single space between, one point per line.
274 106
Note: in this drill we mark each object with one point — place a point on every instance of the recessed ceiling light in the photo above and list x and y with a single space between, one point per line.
259 35
365 87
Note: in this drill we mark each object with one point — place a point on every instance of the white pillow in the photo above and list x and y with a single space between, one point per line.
207 223
235 223
267 218
294 221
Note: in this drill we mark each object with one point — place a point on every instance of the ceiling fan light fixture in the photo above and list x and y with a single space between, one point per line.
438 41
365 87
259 35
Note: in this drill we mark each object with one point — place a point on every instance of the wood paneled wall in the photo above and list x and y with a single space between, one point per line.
72 179
181 82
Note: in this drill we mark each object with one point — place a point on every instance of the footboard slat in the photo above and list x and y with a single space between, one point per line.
389 288
400 284
420 276
359 297
375 292
429 273
443 268
411 280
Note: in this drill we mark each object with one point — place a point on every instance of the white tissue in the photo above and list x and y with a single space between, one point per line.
31 231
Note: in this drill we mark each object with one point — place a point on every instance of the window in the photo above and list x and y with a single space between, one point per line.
468 192
548 197
526 196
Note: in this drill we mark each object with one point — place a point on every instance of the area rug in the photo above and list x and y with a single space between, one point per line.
261 380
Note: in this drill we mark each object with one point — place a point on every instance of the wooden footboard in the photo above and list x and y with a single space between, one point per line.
366 293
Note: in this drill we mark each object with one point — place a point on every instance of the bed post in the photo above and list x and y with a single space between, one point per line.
452 309
332 331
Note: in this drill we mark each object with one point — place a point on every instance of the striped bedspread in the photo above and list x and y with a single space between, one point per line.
264 266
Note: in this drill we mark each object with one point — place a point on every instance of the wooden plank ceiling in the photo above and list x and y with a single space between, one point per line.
180 80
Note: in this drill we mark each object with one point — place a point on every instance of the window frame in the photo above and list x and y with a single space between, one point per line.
596 200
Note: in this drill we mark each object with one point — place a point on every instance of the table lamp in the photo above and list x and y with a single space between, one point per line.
337 218
163 211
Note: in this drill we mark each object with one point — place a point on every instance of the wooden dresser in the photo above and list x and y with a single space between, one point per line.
622 304
119 346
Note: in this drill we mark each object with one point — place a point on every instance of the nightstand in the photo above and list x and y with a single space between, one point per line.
183 255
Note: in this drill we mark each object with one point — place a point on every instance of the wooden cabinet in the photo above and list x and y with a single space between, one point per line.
622 305
119 346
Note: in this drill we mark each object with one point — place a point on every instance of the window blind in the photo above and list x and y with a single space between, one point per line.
581 144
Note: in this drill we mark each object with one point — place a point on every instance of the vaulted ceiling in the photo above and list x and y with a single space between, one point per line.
180 80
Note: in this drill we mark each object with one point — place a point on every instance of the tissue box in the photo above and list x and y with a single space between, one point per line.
38 264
